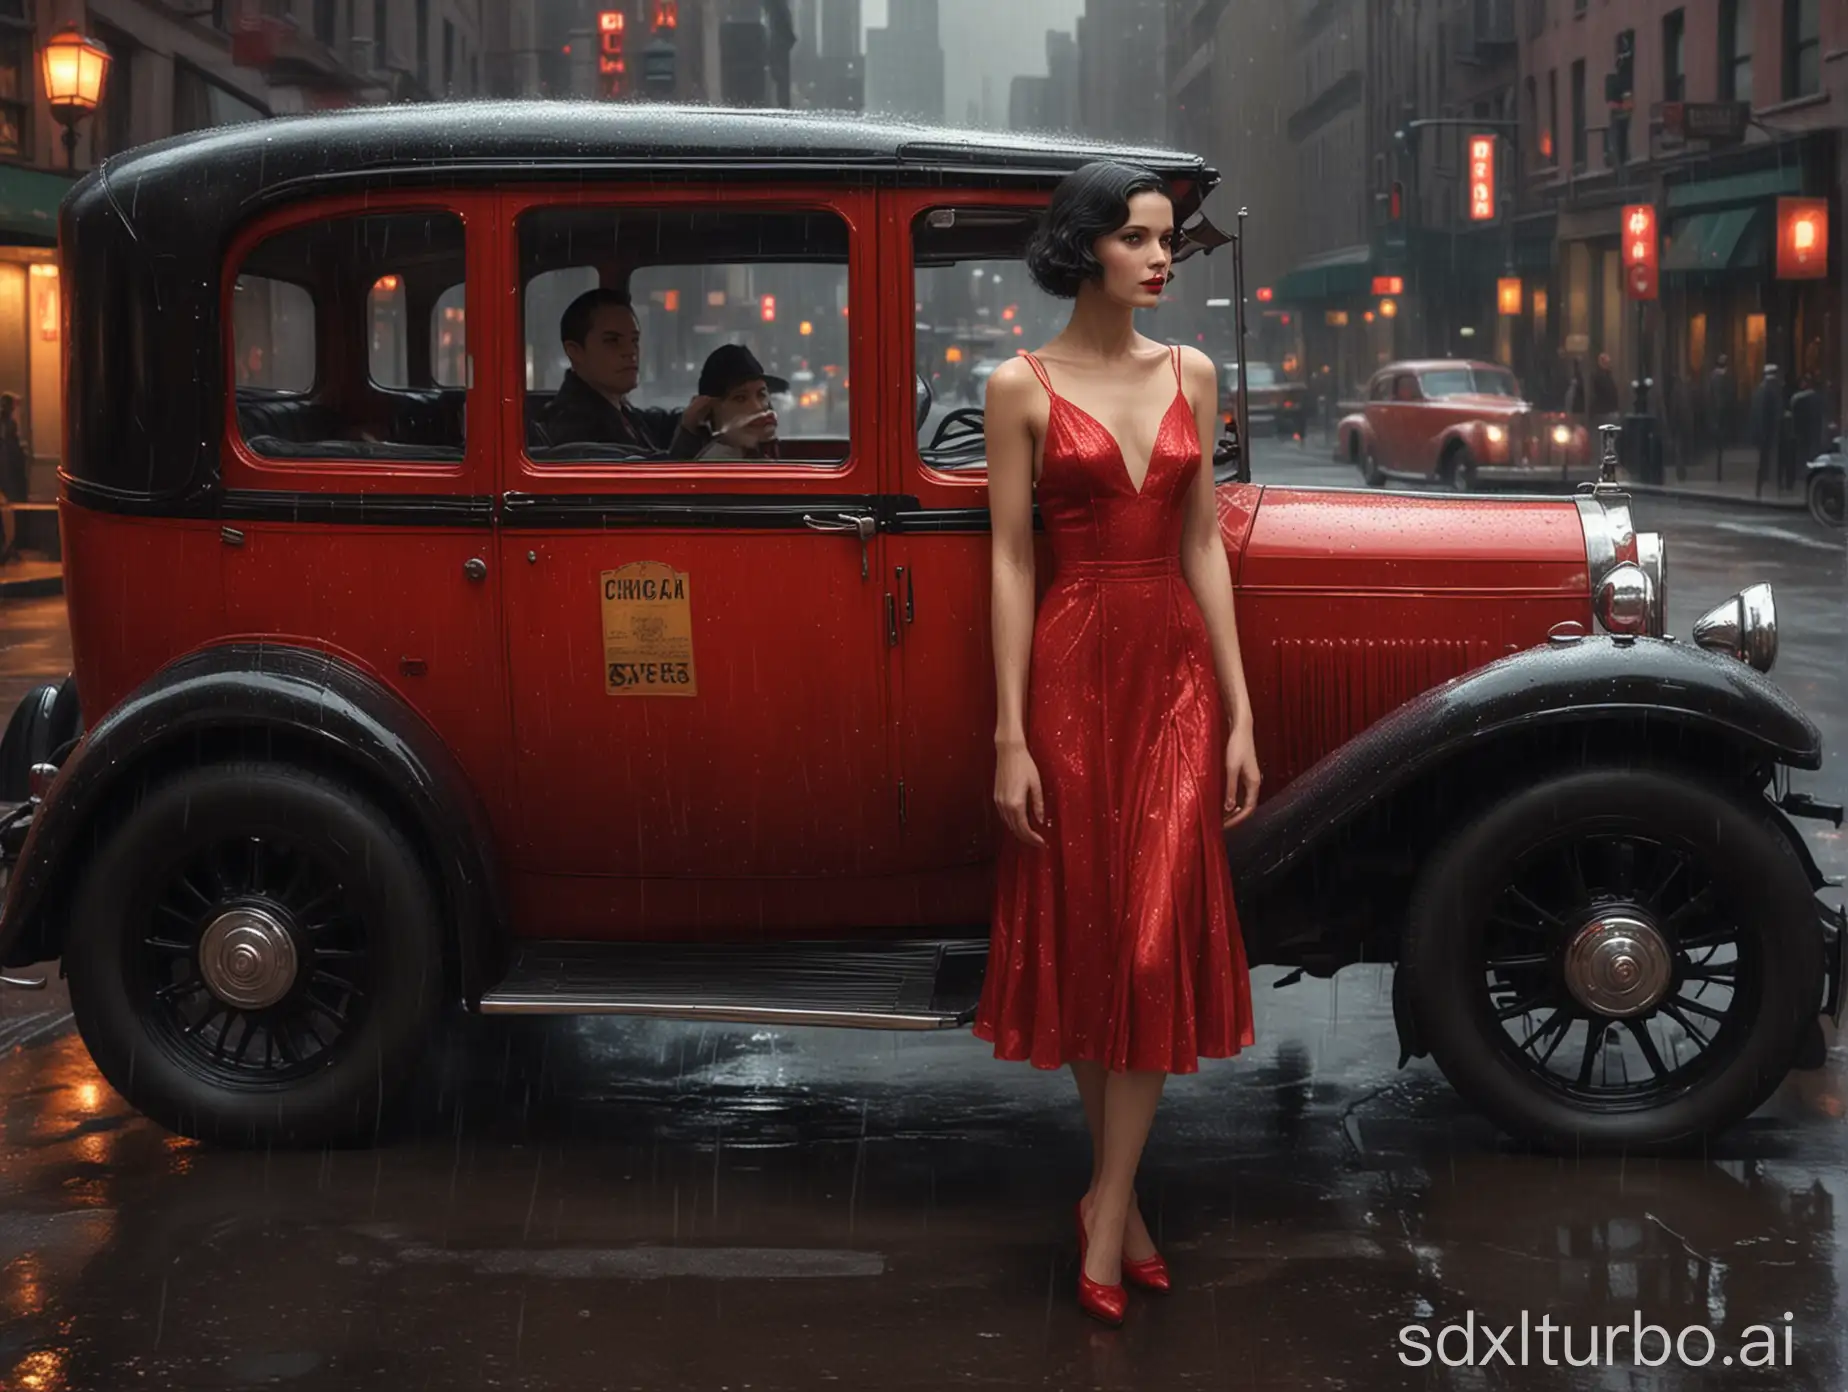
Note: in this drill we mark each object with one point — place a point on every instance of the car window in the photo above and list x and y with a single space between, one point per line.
1446 381
1258 374
303 300
976 307
1381 390
1491 382
1405 387
627 311
273 327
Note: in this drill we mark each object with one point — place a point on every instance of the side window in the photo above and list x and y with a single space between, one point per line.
717 334
1405 387
349 340
273 321
976 308
1381 389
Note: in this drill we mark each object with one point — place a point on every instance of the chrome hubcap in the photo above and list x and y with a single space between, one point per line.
1618 965
247 958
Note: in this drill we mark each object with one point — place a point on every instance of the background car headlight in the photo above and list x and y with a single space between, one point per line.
1496 434
1562 435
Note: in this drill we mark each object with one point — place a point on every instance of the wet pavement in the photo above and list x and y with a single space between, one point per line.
590 1204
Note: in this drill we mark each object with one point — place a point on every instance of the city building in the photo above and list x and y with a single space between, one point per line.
828 70
177 67
904 62
1122 51
1713 114
1049 102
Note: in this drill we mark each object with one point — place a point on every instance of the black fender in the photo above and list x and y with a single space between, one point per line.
265 701
1655 682
46 719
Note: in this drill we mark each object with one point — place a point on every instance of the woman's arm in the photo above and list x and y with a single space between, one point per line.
1007 427
1209 576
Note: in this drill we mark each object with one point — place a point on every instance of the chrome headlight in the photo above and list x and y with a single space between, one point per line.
1495 434
1652 556
1624 599
1745 627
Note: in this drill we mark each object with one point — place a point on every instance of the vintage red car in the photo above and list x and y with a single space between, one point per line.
1276 406
1463 425
388 699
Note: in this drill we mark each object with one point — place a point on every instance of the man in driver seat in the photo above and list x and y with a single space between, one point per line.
603 340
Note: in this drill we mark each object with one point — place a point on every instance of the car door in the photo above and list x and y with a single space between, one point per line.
954 257
697 647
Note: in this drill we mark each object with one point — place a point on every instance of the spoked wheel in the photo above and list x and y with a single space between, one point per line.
255 961
1825 497
1461 472
1615 958
255 956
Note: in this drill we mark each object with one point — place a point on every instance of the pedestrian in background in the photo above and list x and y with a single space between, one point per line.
13 472
1721 397
1806 420
1575 391
1605 407
1765 419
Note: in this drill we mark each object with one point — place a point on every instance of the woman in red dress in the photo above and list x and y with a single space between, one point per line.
1123 738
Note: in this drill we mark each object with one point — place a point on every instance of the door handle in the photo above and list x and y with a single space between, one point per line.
475 568
847 523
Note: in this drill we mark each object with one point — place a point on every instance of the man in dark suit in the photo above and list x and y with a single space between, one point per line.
603 340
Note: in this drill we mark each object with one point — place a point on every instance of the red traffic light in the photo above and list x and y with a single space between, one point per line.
1264 294
768 309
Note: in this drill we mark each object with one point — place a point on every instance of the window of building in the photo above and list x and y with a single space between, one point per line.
1579 153
307 386
17 80
200 103
1736 50
1802 48
676 294
1674 68
423 42
1549 135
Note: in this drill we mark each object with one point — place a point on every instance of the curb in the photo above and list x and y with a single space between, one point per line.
1699 495
40 587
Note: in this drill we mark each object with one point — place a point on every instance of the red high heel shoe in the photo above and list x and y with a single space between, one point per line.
1151 1273
1100 1302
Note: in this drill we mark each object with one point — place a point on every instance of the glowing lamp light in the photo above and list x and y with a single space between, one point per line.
768 309
670 301
1265 294
1388 308
385 284
75 69
1008 313
1802 239
1018 331
952 354
805 328
44 278
1508 294
1367 317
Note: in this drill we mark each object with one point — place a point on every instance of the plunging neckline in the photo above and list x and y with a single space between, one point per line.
1148 467
1110 435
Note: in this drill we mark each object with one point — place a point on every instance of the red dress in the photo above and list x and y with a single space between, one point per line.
1118 943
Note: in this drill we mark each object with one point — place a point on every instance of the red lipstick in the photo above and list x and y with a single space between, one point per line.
1155 285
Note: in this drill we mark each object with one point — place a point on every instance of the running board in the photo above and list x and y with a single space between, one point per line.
877 985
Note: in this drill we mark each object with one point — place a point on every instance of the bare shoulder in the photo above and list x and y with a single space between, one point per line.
1197 369
1011 381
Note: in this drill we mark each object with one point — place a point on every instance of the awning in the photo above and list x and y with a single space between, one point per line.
1333 275
29 206
1728 240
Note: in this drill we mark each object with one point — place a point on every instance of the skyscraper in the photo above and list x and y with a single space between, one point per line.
904 62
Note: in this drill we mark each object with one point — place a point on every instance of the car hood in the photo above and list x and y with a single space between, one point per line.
1347 540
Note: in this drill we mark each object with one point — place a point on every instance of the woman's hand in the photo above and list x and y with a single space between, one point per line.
1242 776
1017 793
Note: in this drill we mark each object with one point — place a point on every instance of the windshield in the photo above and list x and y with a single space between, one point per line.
1256 374
1465 381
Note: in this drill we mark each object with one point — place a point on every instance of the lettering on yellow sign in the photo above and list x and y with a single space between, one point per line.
647 631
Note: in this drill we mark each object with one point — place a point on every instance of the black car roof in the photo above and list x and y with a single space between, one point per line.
470 142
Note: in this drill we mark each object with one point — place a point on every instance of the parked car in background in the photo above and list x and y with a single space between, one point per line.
1461 424
1277 406
1824 489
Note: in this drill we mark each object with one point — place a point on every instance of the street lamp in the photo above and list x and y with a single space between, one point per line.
75 67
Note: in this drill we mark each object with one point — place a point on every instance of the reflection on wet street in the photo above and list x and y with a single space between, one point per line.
600 1204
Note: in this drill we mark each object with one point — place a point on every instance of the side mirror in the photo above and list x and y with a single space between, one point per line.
923 398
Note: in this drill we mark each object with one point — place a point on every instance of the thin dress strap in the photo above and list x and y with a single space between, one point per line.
1040 373
1174 356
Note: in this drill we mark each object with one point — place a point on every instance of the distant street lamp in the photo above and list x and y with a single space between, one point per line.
76 66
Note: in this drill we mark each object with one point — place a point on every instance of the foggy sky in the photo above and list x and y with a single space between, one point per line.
996 39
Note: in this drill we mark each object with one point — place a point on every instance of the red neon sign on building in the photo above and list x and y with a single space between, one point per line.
611 61
1802 238
1639 251
1482 178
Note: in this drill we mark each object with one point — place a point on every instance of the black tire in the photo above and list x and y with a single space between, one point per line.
1752 885
359 912
44 721
1459 470
1370 472
1825 498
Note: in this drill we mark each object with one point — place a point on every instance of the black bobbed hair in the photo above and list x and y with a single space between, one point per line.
1090 202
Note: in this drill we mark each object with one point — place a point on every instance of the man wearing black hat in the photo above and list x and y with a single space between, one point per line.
743 423
603 340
